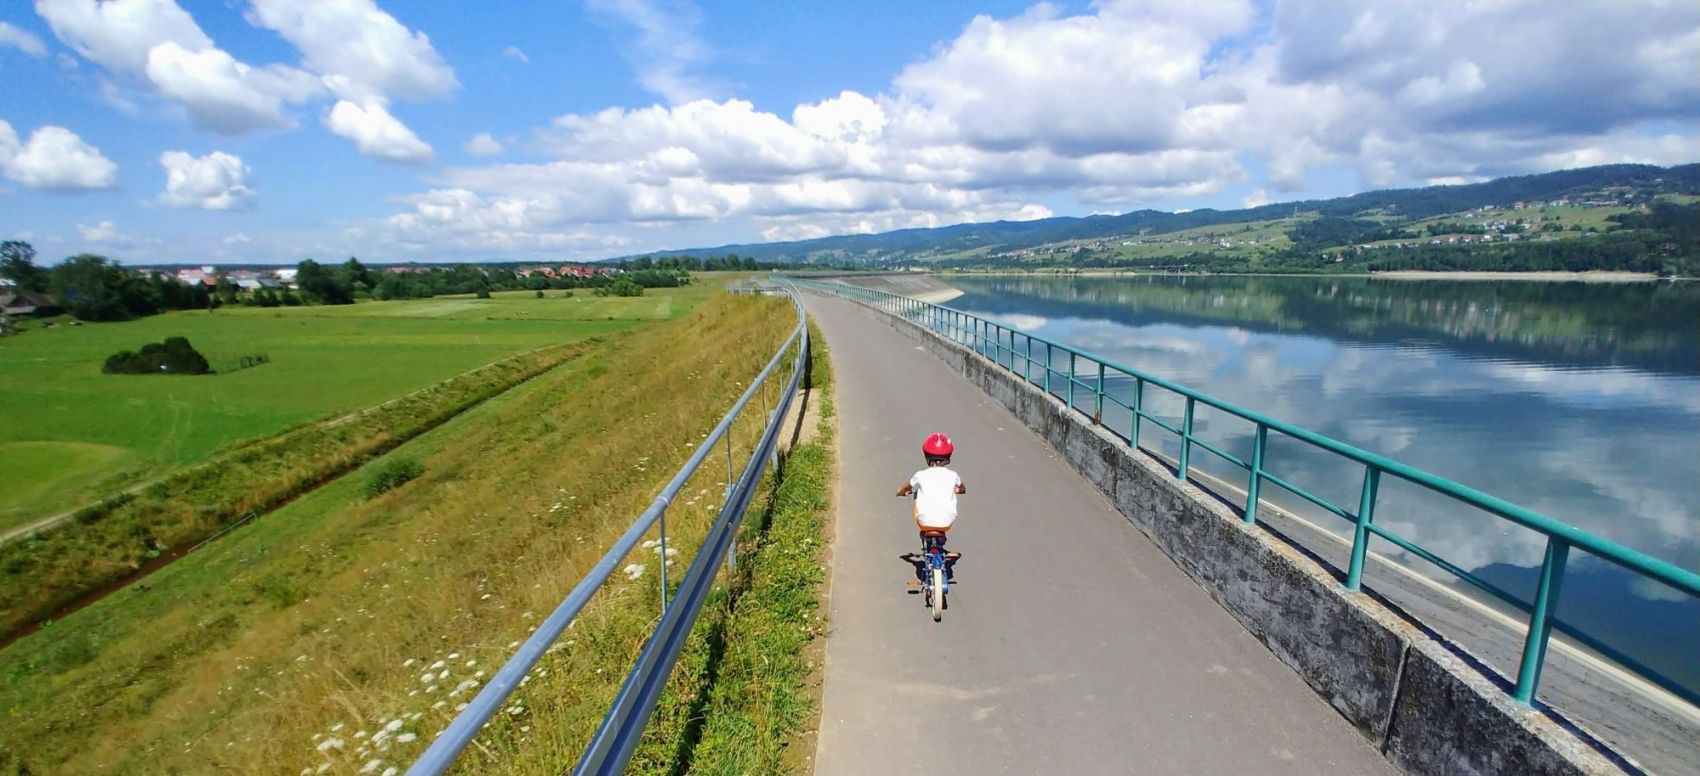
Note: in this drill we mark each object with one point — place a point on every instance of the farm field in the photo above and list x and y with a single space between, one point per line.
75 434
316 622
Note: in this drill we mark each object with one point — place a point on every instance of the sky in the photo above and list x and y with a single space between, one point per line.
269 131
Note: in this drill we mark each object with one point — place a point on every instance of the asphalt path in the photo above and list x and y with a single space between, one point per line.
1072 644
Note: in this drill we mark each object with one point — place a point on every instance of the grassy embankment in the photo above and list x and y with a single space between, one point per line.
745 689
303 641
75 435
108 541
765 693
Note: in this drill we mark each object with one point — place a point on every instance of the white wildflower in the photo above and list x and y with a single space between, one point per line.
332 743
407 738
634 571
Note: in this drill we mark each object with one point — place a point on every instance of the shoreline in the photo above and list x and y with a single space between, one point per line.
1587 276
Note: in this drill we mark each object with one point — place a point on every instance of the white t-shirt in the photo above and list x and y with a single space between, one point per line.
935 496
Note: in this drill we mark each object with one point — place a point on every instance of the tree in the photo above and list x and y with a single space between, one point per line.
94 289
173 356
356 277
319 284
224 286
17 264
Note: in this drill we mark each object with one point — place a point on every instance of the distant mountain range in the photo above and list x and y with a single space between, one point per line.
913 245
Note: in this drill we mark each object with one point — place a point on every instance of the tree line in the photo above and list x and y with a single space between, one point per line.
94 288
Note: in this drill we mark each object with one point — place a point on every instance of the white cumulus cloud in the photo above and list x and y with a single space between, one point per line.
54 158
217 181
223 94
363 53
103 232
350 49
159 44
482 144
376 133
22 40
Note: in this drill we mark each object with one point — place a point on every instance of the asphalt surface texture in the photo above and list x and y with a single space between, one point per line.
1071 643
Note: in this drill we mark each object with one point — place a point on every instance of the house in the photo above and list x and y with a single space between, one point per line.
255 284
28 303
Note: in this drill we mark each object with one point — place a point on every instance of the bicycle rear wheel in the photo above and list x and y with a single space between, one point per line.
938 594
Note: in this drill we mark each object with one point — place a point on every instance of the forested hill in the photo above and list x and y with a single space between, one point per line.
1003 241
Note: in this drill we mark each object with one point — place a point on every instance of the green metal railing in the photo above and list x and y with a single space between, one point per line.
1087 387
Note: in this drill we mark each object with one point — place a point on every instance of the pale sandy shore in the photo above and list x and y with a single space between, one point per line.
1594 276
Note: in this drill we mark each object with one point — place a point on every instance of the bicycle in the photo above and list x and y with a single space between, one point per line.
935 579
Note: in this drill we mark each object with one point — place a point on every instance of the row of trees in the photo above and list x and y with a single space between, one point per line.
95 289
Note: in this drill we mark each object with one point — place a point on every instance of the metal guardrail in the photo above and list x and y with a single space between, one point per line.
1023 353
623 725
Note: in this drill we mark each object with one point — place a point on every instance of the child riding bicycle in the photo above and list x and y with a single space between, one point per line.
935 489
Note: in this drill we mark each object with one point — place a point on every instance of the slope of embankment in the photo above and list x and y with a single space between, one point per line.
341 630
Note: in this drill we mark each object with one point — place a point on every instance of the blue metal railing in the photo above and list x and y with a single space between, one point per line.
1019 352
623 725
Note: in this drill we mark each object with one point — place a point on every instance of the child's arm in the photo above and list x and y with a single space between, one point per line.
961 490
906 490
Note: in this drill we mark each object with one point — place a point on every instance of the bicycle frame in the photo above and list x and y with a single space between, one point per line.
932 550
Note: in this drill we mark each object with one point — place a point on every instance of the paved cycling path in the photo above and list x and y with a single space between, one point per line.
1072 644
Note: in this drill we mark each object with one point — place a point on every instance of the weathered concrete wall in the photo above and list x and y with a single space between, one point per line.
1428 709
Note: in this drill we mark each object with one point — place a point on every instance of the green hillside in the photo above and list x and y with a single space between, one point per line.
1624 217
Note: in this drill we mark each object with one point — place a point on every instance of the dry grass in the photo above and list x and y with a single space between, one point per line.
317 624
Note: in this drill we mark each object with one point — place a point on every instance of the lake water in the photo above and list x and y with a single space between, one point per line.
1579 401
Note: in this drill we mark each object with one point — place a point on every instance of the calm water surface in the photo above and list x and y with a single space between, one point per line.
1580 401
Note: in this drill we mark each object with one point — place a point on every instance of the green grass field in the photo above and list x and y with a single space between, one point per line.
315 622
74 434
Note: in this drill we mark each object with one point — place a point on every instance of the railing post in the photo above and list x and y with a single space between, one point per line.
1186 440
1360 534
1027 365
1071 357
663 559
731 554
1255 484
1098 406
1138 399
1047 369
1540 621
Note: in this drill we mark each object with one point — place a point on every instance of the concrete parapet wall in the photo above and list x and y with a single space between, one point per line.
1427 708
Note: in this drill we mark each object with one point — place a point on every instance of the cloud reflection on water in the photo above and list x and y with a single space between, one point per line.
1606 440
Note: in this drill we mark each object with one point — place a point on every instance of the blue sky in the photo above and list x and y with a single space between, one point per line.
275 130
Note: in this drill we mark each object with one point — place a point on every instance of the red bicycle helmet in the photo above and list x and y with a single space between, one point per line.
937 445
